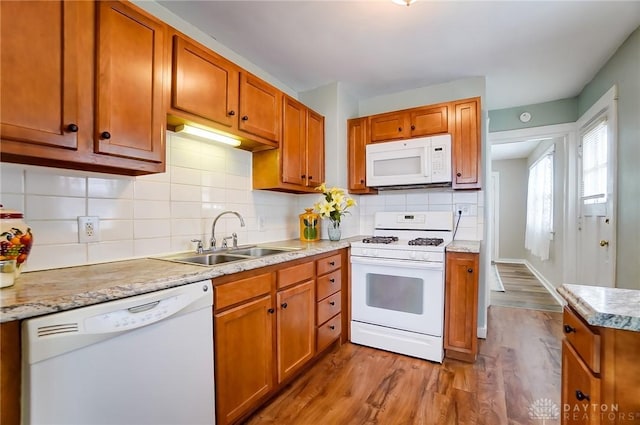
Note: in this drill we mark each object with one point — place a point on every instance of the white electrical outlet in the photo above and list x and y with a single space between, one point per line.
88 229
467 209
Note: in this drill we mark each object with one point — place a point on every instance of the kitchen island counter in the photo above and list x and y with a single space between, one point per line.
49 291
614 308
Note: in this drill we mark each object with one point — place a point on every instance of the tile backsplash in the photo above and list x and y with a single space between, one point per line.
161 213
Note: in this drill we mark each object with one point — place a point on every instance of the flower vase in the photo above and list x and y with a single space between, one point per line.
309 226
334 231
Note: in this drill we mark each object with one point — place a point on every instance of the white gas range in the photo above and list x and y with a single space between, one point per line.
397 283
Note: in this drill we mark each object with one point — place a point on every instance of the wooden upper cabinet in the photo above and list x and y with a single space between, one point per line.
357 137
260 108
389 126
315 149
130 117
298 164
296 328
293 143
39 73
429 120
204 84
466 153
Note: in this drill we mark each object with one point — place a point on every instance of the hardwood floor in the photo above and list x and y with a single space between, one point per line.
518 363
522 289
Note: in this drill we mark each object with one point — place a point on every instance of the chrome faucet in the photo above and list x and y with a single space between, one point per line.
213 229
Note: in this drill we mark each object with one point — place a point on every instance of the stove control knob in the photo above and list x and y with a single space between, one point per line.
374 253
412 255
365 251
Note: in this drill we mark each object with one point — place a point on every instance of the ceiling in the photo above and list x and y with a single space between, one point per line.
513 150
529 51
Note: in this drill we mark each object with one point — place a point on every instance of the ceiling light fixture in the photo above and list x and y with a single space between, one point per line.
404 2
206 134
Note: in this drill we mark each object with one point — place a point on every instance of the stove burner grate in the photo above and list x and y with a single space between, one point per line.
426 241
380 239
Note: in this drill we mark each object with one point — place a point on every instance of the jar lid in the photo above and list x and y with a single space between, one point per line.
9 214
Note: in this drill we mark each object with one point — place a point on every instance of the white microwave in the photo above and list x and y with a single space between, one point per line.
412 162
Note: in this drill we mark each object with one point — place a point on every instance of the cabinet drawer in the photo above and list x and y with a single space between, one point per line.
329 284
328 307
328 332
580 390
328 264
241 290
295 274
582 339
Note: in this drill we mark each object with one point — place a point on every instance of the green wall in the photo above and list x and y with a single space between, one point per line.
548 113
623 69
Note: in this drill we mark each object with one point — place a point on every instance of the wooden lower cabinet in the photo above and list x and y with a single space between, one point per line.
600 374
296 328
10 364
244 357
266 329
461 306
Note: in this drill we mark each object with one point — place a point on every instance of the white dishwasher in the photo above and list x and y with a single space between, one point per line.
146 359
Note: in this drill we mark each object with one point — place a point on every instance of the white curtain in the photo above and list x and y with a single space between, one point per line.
539 229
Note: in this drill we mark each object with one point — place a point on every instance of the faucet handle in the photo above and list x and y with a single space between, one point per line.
234 235
224 242
199 248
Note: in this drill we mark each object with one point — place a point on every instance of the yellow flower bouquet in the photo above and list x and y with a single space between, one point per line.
333 205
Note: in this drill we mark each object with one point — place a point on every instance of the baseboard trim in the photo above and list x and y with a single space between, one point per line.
548 285
511 261
482 332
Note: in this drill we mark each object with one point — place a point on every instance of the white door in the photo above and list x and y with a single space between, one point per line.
596 203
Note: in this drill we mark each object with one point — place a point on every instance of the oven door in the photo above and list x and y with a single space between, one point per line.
406 295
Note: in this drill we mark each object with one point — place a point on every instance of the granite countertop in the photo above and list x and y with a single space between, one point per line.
464 246
48 291
607 307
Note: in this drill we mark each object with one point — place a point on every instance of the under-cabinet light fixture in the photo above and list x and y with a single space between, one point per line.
404 2
206 134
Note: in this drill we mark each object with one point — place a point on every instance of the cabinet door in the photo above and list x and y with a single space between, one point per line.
580 390
391 126
466 145
39 72
315 149
357 138
203 83
293 142
461 305
296 328
244 357
130 116
430 120
260 108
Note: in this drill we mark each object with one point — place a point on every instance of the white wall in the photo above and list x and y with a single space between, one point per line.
513 207
148 215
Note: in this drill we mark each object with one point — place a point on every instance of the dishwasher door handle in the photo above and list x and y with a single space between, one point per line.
143 307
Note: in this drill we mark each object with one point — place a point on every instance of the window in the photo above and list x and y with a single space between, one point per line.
595 159
539 227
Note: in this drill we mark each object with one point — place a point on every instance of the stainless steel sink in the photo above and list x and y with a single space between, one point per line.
258 251
211 259
226 256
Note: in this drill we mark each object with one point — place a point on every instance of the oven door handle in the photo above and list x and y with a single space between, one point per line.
407 264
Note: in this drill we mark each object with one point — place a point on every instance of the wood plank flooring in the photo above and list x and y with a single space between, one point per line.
522 289
518 363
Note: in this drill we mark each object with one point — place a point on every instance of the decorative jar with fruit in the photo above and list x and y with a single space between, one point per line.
16 238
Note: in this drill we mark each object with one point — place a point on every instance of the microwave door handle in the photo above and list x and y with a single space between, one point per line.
427 162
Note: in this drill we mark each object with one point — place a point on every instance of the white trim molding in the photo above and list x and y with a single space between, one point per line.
548 285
